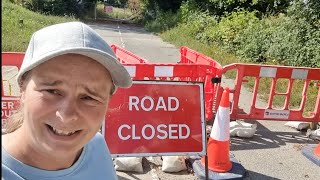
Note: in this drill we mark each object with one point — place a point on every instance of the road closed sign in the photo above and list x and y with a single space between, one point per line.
156 118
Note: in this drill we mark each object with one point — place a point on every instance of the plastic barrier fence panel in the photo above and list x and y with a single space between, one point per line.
187 70
211 78
190 56
10 93
302 81
125 56
179 72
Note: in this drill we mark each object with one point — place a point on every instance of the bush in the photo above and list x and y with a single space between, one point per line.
294 43
197 21
284 40
117 3
291 39
225 33
163 21
254 41
281 40
231 27
220 7
308 10
187 9
61 7
200 23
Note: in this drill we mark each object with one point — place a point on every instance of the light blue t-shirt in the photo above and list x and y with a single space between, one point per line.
94 163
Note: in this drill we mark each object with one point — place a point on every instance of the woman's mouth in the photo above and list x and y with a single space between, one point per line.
60 132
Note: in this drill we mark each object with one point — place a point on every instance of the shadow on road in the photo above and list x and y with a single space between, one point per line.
129 174
266 139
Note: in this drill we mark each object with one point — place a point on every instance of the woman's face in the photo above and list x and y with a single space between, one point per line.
65 101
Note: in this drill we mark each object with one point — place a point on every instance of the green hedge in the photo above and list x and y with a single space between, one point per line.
282 39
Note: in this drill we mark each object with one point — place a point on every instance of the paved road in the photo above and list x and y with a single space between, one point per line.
273 153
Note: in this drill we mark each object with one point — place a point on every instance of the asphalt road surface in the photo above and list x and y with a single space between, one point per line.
274 152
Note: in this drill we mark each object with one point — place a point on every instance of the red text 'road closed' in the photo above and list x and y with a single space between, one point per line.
156 118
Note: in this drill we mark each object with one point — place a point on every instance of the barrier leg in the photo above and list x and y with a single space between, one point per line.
312 152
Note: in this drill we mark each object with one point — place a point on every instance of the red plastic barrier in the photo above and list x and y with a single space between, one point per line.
13 59
10 93
190 56
275 73
125 56
179 72
206 70
141 70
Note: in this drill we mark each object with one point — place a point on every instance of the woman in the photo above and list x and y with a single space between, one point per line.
66 80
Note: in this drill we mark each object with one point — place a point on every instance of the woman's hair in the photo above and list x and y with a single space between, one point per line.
15 120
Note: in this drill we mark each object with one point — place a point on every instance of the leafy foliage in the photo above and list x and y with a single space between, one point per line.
74 8
163 21
309 10
117 3
162 5
230 29
291 39
220 7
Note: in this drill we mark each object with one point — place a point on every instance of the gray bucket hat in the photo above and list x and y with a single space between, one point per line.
75 38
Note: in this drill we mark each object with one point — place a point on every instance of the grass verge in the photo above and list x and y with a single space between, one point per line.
18 24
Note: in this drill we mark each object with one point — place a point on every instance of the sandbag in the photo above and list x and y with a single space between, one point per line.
242 129
173 163
297 125
315 135
133 164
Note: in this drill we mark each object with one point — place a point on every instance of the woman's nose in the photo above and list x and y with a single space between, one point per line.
68 110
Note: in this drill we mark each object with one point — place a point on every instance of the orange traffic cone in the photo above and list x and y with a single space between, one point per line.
317 150
218 146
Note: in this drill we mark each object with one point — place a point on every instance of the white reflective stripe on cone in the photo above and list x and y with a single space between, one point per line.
221 125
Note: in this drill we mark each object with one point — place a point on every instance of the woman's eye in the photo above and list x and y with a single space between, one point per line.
88 98
52 91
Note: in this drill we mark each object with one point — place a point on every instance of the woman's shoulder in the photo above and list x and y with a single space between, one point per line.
100 158
98 143
98 139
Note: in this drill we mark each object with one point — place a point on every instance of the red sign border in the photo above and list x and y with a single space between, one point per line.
203 123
